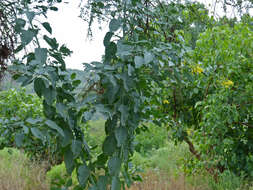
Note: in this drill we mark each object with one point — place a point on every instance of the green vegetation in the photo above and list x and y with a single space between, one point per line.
17 172
170 71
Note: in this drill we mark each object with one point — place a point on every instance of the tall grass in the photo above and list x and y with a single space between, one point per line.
19 173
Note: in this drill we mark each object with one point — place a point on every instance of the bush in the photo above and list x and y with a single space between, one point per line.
19 125
154 137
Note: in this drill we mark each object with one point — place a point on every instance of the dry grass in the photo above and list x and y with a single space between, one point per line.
18 173
155 181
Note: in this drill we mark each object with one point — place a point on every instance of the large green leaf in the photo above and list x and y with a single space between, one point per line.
139 61
37 133
19 138
51 41
114 25
47 26
20 23
54 126
83 174
39 86
121 135
49 94
110 51
41 55
27 36
102 182
148 57
109 145
124 114
116 183
76 147
69 161
114 165
107 38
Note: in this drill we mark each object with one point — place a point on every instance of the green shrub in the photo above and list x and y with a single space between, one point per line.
21 128
154 137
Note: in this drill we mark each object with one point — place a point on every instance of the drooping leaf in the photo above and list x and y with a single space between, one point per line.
19 137
109 145
39 86
102 182
76 147
114 25
148 57
49 94
124 114
30 15
27 36
54 126
62 110
110 51
121 135
114 165
47 26
69 161
41 55
37 133
83 174
116 183
139 61
107 38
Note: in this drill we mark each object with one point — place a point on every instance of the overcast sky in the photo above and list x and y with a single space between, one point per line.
71 30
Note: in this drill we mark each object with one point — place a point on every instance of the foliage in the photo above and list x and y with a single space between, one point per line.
149 73
151 139
224 112
18 118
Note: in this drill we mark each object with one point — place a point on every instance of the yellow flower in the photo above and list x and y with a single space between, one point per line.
166 102
227 83
197 69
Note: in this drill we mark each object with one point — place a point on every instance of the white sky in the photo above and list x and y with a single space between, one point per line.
71 30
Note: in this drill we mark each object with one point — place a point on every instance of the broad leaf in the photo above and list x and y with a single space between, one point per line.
41 55
114 25
76 147
69 161
116 183
139 61
47 26
148 57
26 36
54 126
49 94
37 133
107 38
19 137
109 145
39 86
121 135
114 165
83 174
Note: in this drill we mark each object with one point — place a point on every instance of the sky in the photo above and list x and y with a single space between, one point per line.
72 31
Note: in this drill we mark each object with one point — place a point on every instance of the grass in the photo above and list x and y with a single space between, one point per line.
18 173
161 168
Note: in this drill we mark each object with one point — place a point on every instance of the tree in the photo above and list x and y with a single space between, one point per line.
150 72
